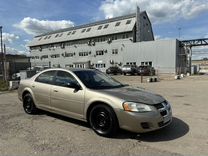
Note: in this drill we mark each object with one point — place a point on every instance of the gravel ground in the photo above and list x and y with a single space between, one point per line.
49 134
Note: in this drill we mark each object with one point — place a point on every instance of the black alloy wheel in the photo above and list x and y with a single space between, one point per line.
28 104
103 120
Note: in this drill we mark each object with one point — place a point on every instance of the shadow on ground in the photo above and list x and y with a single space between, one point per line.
176 129
64 118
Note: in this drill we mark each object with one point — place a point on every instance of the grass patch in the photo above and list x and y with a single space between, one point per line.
3 86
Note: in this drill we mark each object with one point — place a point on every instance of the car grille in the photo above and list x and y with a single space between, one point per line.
163 108
159 106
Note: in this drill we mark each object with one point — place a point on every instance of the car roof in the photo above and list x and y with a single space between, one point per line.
70 69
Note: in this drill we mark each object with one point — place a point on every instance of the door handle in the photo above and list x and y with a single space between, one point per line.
33 86
55 91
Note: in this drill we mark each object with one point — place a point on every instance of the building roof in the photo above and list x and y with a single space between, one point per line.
105 27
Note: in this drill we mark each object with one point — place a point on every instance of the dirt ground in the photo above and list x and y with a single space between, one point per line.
49 134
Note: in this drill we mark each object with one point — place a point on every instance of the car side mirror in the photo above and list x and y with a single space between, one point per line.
74 85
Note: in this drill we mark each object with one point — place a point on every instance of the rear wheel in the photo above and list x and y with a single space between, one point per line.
28 104
103 120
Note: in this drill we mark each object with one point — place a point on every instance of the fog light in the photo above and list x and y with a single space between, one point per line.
145 125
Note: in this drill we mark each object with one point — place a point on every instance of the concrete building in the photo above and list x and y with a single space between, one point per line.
117 41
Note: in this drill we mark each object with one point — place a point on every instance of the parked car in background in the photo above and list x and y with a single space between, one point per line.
92 96
146 70
129 69
114 70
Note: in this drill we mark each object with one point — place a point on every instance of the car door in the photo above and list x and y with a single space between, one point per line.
64 97
42 88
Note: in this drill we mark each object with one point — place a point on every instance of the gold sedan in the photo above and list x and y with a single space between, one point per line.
92 96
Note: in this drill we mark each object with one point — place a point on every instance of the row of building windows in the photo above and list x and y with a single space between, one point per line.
55 56
88 42
149 63
98 52
100 65
83 30
131 63
84 53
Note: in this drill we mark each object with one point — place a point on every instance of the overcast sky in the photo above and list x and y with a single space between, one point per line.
23 19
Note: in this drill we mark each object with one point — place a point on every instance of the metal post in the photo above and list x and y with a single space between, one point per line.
5 64
2 55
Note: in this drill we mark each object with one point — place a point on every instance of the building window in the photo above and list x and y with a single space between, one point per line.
144 17
100 65
44 57
125 36
114 51
128 21
69 33
55 55
100 52
60 34
39 38
117 24
36 57
49 37
84 53
131 63
146 63
88 29
45 37
100 27
114 37
106 26
69 54
56 35
73 32
83 30
69 66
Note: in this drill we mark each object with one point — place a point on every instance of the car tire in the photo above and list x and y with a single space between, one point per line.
103 120
28 104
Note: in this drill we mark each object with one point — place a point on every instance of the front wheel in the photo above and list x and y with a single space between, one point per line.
28 104
103 120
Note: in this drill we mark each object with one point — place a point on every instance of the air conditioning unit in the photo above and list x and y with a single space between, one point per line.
62 46
40 49
93 43
109 41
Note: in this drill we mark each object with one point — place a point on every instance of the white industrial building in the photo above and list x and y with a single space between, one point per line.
117 41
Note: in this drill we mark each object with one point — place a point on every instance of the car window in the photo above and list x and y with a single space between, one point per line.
94 79
64 79
46 77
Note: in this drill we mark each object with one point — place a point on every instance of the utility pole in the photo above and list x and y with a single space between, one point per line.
2 55
5 64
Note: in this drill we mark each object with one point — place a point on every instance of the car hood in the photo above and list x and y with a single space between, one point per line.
134 94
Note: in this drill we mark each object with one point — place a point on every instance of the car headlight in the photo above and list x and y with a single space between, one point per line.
136 107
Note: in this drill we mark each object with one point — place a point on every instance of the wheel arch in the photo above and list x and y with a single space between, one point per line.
96 103
26 91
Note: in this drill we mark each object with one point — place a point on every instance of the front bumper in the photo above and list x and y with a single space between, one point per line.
143 122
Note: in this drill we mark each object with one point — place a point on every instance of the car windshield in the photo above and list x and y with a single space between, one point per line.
95 79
